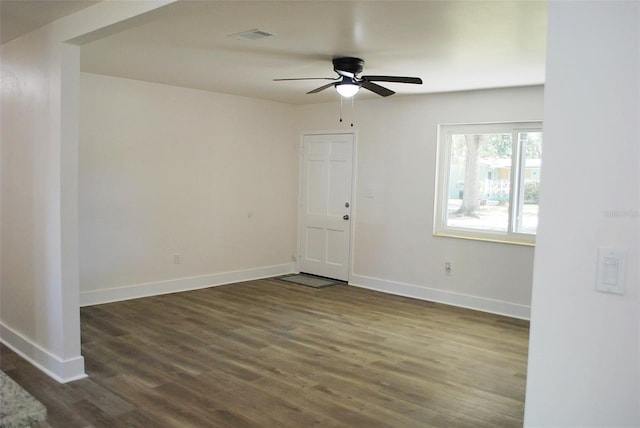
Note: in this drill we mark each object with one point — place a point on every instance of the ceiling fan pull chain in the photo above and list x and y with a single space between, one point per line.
353 102
341 109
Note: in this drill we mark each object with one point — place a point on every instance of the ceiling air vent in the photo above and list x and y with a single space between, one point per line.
251 35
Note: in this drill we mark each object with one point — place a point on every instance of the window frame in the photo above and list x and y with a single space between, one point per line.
517 181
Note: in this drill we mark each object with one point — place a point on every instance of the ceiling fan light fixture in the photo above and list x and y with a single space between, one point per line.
347 90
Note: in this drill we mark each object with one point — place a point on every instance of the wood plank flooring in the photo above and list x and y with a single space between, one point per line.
273 354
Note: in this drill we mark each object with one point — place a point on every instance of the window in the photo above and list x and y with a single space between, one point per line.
488 179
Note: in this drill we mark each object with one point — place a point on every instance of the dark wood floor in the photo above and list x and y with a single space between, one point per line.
273 354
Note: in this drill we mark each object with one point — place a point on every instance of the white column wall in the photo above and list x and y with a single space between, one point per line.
39 310
583 354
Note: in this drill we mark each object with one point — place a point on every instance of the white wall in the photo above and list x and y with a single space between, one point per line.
213 178
168 171
39 307
394 247
583 355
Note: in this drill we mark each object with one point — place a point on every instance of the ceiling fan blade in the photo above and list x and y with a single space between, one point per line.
397 79
380 90
321 88
308 78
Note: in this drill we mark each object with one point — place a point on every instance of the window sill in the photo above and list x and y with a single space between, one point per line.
495 239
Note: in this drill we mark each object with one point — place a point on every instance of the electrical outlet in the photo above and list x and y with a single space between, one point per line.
176 259
447 267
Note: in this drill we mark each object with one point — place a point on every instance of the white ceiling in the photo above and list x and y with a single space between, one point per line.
451 45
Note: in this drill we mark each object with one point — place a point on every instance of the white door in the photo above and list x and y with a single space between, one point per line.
325 206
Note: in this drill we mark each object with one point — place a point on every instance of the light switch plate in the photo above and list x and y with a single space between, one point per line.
611 267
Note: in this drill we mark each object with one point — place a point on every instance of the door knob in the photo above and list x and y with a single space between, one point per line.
345 217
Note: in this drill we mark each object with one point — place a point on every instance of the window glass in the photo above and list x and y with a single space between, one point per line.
529 191
479 181
489 177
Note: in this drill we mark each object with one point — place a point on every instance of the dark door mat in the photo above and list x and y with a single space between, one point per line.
311 280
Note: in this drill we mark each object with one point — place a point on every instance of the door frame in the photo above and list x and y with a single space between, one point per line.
354 163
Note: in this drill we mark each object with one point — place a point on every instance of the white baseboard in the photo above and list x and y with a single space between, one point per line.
116 294
450 298
61 370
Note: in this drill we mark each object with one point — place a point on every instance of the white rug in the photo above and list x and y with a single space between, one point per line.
18 408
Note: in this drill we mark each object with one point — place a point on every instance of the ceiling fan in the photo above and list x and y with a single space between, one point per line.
348 83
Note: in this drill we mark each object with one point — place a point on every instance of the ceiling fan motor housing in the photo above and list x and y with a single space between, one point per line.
348 64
